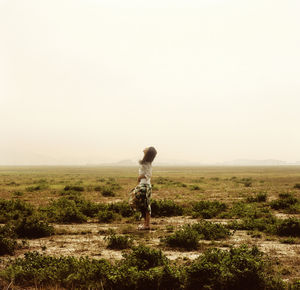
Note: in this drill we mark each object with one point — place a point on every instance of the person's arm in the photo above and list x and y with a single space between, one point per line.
141 177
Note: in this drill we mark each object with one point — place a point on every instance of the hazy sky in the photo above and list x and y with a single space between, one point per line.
91 81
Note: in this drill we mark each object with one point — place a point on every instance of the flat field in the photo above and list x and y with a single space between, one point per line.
257 206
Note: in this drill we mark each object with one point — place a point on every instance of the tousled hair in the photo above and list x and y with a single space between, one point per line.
149 156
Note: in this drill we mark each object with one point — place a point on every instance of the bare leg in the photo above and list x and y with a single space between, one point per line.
147 220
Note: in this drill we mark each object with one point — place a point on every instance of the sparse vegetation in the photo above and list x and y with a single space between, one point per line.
186 238
208 209
260 197
107 216
74 188
251 214
211 231
8 242
250 210
14 209
239 268
297 186
286 202
118 242
288 227
33 227
165 207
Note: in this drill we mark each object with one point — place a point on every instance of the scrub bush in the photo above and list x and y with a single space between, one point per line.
288 227
165 207
144 258
14 209
38 269
111 182
260 197
64 210
33 227
146 268
242 210
38 187
208 209
168 182
195 187
8 243
118 242
247 181
123 208
87 207
211 231
239 268
264 224
186 238
286 202
74 188
107 216
107 191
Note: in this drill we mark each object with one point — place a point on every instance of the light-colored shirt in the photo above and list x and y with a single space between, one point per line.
146 170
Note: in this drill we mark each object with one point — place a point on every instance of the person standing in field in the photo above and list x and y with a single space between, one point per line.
141 194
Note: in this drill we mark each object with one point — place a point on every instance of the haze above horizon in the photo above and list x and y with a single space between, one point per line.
96 81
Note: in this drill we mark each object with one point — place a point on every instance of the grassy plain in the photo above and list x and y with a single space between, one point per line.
186 186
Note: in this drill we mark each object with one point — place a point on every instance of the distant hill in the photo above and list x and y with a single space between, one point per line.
126 162
251 162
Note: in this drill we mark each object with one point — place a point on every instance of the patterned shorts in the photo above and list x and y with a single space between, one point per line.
140 198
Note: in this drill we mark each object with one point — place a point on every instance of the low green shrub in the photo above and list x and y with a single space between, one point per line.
87 207
70 193
18 193
211 231
14 209
64 210
38 187
286 202
74 188
288 227
260 197
118 242
195 187
107 216
239 268
166 182
107 191
270 225
146 268
288 240
295 285
165 207
297 186
208 209
33 227
186 238
7 245
8 242
112 183
123 208
263 224
144 258
242 210
247 181
38 269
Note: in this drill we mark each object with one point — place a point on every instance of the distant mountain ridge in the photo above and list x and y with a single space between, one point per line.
255 162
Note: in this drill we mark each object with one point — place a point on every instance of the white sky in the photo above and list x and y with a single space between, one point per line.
91 81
